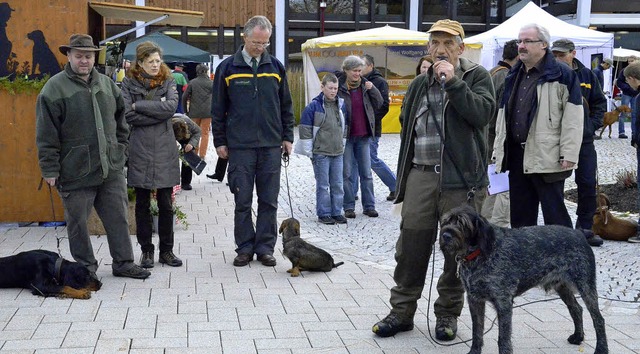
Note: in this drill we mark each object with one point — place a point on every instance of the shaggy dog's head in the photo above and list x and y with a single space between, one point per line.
463 230
289 228
180 129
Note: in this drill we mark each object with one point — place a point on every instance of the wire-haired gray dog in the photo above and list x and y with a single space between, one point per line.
303 255
497 264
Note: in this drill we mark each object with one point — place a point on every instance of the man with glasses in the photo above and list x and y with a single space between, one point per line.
538 130
252 126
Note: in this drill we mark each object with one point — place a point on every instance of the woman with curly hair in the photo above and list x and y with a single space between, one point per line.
150 98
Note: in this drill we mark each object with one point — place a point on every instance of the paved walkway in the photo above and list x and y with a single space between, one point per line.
209 306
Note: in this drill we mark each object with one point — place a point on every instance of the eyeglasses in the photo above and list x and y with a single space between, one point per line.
527 41
260 45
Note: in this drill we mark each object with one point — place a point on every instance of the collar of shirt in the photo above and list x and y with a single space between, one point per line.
247 57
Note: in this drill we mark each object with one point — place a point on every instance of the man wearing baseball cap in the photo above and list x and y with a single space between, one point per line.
600 69
82 138
565 52
453 99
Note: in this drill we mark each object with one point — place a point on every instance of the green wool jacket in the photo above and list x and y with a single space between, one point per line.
81 133
468 109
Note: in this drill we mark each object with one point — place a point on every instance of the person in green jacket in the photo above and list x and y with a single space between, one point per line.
81 135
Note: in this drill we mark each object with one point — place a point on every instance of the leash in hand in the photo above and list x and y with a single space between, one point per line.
285 164
53 212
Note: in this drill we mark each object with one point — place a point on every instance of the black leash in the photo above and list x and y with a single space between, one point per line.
53 212
285 164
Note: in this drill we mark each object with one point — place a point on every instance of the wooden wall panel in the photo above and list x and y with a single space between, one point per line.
20 201
228 13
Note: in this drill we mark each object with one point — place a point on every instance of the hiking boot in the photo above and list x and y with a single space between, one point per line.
350 213
372 213
446 328
391 325
135 272
340 219
327 220
169 259
146 259
391 196
186 187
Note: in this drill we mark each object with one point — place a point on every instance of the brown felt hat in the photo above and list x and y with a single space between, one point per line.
79 42
448 26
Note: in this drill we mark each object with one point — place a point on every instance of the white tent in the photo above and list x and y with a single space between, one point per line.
588 42
621 54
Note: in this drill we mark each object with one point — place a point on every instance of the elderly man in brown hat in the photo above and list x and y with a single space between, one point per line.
81 135
454 99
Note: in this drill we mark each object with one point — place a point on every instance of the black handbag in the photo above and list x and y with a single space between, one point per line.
194 161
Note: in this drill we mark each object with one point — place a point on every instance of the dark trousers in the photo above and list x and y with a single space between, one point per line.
529 191
259 167
186 174
110 202
422 206
586 181
144 219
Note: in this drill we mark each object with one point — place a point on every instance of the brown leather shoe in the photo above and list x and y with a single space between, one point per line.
242 259
267 260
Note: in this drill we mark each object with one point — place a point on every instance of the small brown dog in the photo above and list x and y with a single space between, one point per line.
610 227
303 255
612 117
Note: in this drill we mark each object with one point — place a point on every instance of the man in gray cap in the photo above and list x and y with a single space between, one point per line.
600 69
596 105
82 138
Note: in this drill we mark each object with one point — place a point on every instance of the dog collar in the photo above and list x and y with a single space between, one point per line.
473 255
58 269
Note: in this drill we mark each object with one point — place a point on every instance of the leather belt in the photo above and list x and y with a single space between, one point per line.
426 168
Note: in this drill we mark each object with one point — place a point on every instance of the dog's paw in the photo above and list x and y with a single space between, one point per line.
294 272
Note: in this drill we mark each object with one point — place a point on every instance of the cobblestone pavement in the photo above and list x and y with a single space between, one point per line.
209 306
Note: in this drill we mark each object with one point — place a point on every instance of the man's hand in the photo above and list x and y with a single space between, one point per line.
567 164
51 181
188 148
222 152
287 147
444 67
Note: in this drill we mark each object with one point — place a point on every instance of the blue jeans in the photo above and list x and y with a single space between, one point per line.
358 148
379 167
329 192
626 100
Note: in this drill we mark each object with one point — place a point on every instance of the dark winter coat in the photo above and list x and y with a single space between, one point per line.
371 98
153 153
381 84
80 128
596 103
199 93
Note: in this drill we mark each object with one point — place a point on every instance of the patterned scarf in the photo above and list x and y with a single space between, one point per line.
148 81
351 85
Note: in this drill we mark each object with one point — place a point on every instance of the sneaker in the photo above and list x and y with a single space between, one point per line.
622 136
391 196
327 220
186 187
340 219
135 272
372 213
634 239
350 213
446 328
146 260
169 259
391 325
595 241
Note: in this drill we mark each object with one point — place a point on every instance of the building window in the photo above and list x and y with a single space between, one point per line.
343 10
460 10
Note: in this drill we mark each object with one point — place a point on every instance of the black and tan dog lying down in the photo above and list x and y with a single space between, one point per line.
496 264
303 256
47 274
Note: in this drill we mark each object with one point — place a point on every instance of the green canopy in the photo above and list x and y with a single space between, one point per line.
173 50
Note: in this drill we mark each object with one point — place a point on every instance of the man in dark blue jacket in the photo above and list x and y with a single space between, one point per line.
252 125
595 105
601 68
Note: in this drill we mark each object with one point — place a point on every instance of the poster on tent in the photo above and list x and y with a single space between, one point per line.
397 64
